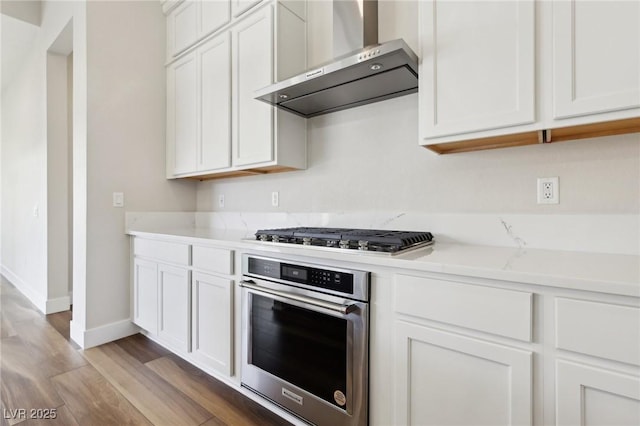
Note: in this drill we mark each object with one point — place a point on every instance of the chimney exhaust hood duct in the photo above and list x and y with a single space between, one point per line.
363 71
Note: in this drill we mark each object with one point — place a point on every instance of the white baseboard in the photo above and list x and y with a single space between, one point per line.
44 305
59 304
37 299
104 334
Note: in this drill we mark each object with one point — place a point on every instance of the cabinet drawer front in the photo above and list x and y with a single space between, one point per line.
213 259
162 250
599 329
492 310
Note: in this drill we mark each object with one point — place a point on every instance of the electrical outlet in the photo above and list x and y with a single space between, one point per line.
275 199
221 201
548 190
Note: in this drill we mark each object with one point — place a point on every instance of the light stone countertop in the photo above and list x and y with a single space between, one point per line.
599 272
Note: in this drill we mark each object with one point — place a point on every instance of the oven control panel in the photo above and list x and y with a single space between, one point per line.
319 277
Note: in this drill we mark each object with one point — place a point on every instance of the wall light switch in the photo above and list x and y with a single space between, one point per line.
118 199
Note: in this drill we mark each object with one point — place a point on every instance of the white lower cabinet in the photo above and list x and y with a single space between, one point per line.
145 294
448 379
445 349
484 352
212 321
182 307
587 395
174 306
597 361
452 377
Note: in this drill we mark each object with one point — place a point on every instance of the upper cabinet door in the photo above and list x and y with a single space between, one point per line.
215 90
238 7
478 66
182 113
596 61
185 29
213 15
252 70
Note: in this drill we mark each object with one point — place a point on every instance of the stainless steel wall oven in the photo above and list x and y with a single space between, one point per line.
305 335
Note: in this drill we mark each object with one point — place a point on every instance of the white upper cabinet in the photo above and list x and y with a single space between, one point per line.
214 58
213 15
182 96
496 74
215 126
241 6
192 20
199 109
253 70
478 63
183 23
596 57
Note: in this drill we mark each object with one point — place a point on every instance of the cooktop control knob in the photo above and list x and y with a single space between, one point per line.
275 238
344 244
306 241
363 245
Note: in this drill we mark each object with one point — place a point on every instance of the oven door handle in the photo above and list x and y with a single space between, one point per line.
342 309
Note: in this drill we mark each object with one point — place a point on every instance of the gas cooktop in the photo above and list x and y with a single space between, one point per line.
347 238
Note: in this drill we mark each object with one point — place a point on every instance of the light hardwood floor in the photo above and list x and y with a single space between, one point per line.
132 381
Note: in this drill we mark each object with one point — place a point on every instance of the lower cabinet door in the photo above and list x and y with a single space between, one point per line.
174 306
593 396
448 379
145 295
212 341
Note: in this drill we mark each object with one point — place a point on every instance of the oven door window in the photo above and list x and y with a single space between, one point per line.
302 346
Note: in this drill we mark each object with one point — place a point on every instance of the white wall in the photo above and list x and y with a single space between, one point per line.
23 236
118 145
368 158
125 149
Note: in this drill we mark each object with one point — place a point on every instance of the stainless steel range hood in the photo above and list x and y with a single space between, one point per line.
365 75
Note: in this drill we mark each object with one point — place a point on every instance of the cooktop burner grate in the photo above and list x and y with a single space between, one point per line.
348 238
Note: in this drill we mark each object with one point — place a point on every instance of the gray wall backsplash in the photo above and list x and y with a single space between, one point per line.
368 159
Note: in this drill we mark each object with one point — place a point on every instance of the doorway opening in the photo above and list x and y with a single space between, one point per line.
60 177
